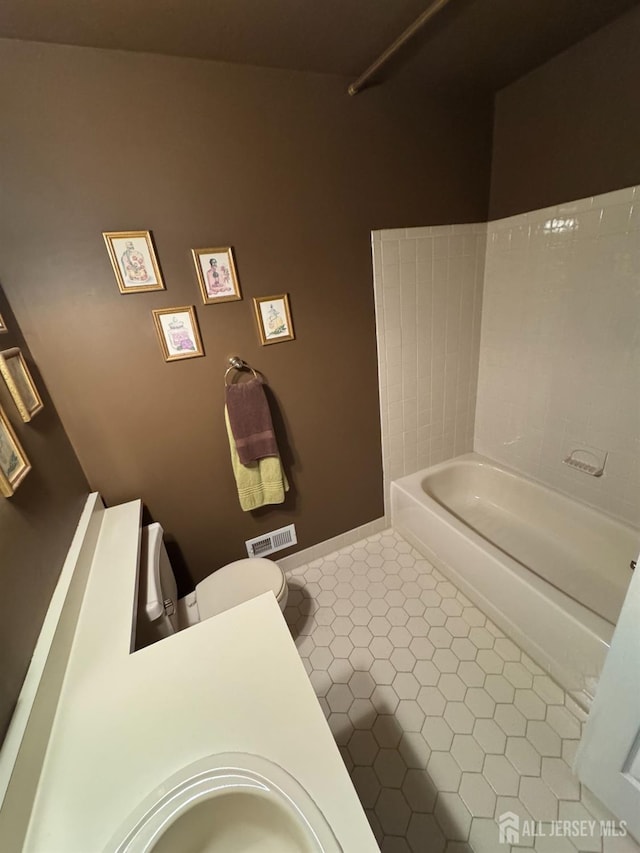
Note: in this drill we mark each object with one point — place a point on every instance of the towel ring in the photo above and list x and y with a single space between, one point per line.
236 363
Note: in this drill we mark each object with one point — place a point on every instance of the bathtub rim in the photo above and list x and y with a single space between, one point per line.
596 630
486 462
412 485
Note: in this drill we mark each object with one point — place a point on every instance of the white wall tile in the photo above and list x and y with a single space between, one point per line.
428 296
559 363
519 338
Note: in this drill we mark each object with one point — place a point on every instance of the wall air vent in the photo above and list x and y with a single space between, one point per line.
270 542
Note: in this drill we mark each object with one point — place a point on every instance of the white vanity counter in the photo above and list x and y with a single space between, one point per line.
125 722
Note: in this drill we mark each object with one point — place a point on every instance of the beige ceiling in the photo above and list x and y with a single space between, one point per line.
476 44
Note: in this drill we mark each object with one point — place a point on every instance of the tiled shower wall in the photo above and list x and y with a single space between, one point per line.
428 294
560 346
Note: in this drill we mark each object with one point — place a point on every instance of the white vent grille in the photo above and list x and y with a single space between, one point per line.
270 542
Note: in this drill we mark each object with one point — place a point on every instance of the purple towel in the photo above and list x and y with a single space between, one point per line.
250 421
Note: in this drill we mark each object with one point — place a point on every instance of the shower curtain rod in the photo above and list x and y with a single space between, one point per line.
411 30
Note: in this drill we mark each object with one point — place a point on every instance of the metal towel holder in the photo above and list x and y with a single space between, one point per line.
236 363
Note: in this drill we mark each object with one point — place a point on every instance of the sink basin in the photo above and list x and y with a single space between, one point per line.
227 803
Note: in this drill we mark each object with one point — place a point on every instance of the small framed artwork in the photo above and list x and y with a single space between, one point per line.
217 275
20 383
133 260
178 332
274 318
3 325
14 465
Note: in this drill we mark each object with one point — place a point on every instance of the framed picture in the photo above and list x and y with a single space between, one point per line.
217 275
274 318
20 383
3 325
133 260
14 465
178 332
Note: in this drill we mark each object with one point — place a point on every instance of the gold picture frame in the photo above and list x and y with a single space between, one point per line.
217 275
19 381
273 316
178 332
134 261
3 325
14 465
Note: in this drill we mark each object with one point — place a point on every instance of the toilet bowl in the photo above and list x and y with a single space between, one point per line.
161 613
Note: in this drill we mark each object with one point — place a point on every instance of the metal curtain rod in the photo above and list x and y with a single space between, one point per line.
384 57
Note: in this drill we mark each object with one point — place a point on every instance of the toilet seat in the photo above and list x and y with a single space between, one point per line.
237 582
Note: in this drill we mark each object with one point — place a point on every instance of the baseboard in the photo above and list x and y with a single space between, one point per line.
328 546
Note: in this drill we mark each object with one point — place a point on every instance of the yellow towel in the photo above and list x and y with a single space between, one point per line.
259 483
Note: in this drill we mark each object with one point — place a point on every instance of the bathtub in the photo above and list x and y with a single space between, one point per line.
548 570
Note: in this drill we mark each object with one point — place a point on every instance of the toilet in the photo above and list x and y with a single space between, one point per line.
161 613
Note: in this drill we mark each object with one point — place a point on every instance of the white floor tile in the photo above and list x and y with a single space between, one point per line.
478 795
442 721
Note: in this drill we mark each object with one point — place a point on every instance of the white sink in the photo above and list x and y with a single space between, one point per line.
227 803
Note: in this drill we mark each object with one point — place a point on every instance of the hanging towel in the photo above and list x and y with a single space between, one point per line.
259 483
250 421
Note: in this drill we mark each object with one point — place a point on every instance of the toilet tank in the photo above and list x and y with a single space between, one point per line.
157 586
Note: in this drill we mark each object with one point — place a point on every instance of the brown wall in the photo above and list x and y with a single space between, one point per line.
291 172
36 526
571 128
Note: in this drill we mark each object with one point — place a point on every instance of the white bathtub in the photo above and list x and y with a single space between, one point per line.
550 571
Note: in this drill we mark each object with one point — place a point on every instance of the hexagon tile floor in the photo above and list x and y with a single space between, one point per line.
443 723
